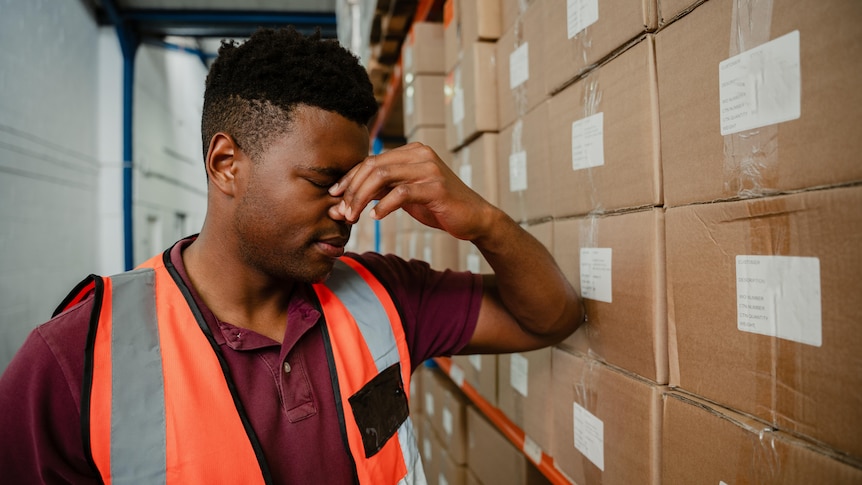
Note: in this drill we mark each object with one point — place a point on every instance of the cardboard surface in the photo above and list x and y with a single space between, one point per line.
521 85
625 447
799 385
819 148
523 165
532 374
471 95
604 139
480 371
439 249
704 443
477 165
449 418
434 137
494 459
577 41
468 21
626 299
423 102
422 51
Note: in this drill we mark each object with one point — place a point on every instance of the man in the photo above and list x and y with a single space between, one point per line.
256 351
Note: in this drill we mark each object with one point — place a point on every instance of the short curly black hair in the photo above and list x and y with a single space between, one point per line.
253 87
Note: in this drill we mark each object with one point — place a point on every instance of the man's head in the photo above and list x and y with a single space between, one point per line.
285 117
253 88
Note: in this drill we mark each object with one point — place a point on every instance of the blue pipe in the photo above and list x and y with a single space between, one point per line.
128 46
377 149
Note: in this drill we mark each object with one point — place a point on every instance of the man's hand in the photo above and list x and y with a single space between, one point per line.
527 302
412 177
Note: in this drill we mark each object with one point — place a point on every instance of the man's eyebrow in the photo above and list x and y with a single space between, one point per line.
327 171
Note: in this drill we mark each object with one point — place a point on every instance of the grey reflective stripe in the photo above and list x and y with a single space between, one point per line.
410 450
368 312
138 442
373 322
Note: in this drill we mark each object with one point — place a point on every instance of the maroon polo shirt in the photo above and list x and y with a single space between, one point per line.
285 388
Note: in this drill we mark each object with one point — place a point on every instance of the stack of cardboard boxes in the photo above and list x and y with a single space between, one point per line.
694 166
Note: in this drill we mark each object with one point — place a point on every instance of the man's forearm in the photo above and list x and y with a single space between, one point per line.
530 283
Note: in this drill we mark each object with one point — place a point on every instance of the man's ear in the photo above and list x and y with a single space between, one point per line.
223 159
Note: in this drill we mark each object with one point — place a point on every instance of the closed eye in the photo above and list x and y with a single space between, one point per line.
320 184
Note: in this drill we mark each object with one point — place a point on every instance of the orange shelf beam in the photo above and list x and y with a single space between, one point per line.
543 461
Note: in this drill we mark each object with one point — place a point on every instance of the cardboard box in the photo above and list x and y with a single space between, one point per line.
579 40
422 51
434 137
449 417
763 309
705 443
439 249
494 459
606 423
799 117
476 165
423 102
617 264
524 392
440 468
465 22
524 173
520 68
471 95
604 138
673 10
513 11
480 371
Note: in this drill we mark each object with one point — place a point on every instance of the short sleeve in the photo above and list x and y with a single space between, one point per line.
439 308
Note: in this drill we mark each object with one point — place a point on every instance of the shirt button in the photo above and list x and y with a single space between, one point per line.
286 368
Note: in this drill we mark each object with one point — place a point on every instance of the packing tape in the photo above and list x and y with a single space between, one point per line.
592 99
518 171
750 156
588 237
586 396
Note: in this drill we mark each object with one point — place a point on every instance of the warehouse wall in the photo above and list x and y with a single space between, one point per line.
49 163
170 182
61 156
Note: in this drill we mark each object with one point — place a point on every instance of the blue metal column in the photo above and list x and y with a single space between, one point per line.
129 46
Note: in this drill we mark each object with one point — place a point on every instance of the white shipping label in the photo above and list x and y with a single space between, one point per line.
519 368
761 86
427 449
779 296
408 100
474 263
429 404
457 375
519 66
589 436
408 57
588 145
596 274
532 450
447 421
580 14
458 106
518 171
476 361
465 172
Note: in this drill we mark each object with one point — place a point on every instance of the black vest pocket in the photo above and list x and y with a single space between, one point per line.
379 408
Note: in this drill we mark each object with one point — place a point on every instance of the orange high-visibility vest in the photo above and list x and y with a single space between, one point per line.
155 382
